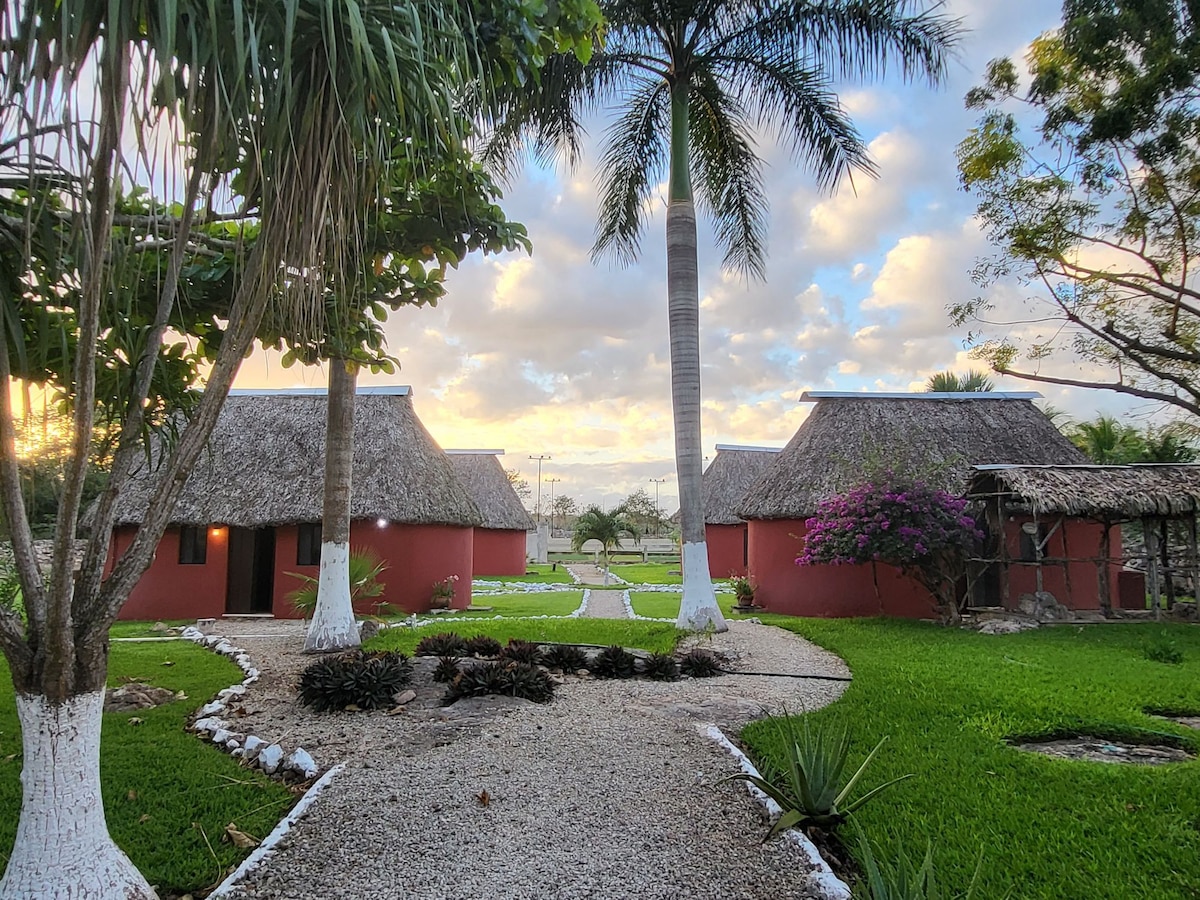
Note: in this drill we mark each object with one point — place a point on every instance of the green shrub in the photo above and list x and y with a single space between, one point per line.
1163 650
614 662
809 787
358 679
365 569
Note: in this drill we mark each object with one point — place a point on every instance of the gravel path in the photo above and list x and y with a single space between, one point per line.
610 791
605 605
590 574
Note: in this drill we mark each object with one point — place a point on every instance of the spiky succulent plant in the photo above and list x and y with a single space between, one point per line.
357 679
519 651
505 678
483 647
660 667
445 643
446 670
698 664
566 657
614 662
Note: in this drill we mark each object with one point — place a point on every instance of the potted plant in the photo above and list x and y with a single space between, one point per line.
743 591
443 593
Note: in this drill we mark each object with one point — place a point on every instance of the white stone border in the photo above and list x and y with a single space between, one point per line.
264 850
625 599
581 610
832 886
491 588
269 757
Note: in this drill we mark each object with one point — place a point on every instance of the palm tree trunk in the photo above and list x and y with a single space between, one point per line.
698 609
333 626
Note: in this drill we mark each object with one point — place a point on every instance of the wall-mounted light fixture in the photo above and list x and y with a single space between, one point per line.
381 523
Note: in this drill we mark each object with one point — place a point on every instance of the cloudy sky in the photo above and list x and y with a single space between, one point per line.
550 354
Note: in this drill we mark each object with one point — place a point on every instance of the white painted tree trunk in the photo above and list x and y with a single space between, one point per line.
63 849
333 626
698 610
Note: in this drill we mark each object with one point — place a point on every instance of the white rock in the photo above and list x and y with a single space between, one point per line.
234 690
212 723
270 759
220 736
300 761
209 709
232 745
252 746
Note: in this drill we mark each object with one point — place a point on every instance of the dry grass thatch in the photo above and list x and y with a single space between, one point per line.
732 473
1102 492
266 460
481 474
847 439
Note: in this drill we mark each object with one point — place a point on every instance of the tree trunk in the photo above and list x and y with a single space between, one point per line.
63 848
698 608
333 626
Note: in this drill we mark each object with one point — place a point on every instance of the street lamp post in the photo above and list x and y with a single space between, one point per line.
539 458
552 482
657 521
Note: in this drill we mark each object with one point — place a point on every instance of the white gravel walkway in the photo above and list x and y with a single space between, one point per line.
605 604
610 791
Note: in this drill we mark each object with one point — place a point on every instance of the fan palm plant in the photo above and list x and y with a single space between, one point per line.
953 383
696 81
594 524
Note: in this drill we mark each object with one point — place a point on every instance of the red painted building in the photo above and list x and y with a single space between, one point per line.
727 479
935 437
499 542
249 515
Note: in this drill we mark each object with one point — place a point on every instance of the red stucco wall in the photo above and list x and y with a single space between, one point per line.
169 590
834 591
416 557
827 591
498 552
726 550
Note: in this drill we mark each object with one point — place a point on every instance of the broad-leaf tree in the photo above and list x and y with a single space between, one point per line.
695 84
282 106
1087 187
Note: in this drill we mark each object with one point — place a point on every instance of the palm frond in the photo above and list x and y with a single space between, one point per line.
635 153
729 176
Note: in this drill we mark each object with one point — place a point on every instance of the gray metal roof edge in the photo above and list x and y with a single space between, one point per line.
458 452
392 390
809 396
752 447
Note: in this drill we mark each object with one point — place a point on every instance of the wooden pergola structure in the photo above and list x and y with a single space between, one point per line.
1162 499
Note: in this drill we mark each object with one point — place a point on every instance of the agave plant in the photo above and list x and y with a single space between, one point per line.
446 670
906 880
811 789
355 680
445 643
661 667
566 657
483 646
699 664
521 652
508 678
614 662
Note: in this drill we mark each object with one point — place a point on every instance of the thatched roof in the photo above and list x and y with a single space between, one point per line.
729 476
480 472
936 437
266 459
1102 492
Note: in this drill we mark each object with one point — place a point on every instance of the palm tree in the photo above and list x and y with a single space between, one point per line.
952 383
697 82
1108 442
594 524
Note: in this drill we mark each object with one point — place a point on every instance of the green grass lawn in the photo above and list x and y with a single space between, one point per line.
647 573
146 629
164 790
653 636
534 574
1047 828
661 605
547 603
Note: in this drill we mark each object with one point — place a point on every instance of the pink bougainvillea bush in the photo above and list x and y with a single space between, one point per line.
925 532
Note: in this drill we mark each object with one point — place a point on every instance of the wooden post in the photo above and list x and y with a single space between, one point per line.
1168 573
1150 540
1193 559
1102 581
999 530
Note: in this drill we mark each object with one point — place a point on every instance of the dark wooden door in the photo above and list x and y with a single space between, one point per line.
251 579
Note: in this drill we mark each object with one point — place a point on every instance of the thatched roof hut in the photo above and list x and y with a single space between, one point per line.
1109 493
732 473
266 459
935 436
480 473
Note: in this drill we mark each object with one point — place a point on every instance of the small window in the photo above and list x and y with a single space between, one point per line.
193 545
308 546
1031 539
